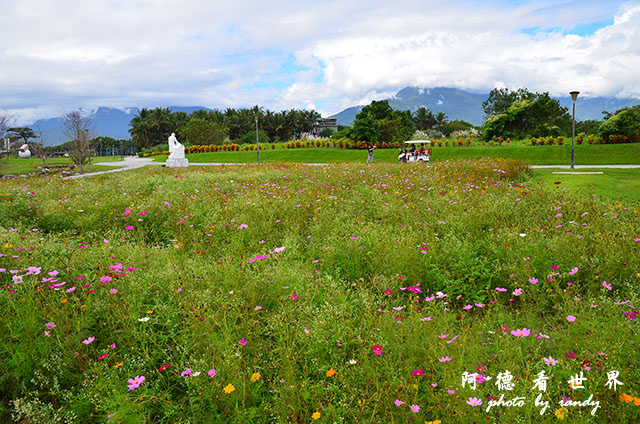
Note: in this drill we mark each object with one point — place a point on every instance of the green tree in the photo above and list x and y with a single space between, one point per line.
424 119
539 117
441 119
500 99
379 122
250 137
24 133
203 132
625 122
588 126
457 125
140 130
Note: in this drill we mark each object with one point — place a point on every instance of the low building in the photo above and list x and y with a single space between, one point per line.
323 124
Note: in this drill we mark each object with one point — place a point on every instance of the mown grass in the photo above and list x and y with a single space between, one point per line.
622 185
288 280
607 154
18 166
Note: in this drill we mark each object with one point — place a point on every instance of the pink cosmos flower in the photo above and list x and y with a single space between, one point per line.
186 373
377 350
212 373
89 340
242 342
443 336
474 401
398 402
128 227
550 361
50 325
501 289
607 286
135 382
445 359
517 292
573 270
113 291
127 212
533 280
571 318
524 332
417 373
415 408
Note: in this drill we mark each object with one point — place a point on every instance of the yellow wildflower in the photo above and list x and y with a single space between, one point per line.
229 388
560 413
315 415
255 376
331 372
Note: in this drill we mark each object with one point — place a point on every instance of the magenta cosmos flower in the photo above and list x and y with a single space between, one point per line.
377 349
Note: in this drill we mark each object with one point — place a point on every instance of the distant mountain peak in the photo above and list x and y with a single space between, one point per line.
467 106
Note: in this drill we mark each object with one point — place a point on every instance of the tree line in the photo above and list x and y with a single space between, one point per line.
204 127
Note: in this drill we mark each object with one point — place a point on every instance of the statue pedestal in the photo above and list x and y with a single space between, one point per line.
177 163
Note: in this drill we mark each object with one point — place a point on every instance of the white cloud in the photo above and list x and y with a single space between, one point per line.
63 55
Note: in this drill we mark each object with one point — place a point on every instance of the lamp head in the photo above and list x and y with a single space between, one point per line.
574 95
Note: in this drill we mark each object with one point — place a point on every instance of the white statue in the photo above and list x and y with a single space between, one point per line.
176 153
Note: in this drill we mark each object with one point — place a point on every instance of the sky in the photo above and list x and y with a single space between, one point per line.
60 55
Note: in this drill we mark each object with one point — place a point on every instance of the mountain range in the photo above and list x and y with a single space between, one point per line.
467 106
455 103
109 122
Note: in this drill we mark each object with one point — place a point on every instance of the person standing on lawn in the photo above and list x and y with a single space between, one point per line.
370 156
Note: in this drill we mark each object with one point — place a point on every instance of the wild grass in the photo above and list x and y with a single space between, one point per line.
315 293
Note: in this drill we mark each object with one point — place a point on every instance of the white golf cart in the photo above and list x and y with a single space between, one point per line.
412 151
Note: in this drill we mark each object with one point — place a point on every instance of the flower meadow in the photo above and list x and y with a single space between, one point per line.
453 292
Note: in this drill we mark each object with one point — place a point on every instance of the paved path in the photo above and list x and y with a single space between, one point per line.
133 162
585 166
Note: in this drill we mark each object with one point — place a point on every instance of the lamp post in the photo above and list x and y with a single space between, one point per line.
574 96
257 142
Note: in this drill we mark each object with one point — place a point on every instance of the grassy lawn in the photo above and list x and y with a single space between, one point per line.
609 154
614 184
17 166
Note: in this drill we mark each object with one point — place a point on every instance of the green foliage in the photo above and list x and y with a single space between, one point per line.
379 122
538 117
500 99
456 125
625 122
588 126
200 131
250 137
424 119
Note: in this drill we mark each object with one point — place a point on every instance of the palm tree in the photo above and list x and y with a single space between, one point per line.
424 119
140 130
441 119
160 124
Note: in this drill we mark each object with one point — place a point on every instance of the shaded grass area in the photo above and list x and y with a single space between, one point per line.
608 154
18 166
621 185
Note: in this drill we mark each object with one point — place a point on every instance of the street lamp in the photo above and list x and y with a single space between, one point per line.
257 142
574 96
